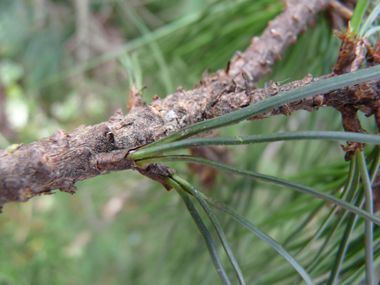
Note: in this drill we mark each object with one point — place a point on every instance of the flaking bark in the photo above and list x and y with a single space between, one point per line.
58 162
281 32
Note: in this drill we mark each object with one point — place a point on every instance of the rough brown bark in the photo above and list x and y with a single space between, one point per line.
61 160
265 50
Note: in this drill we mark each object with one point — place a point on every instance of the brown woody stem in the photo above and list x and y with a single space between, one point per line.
58 162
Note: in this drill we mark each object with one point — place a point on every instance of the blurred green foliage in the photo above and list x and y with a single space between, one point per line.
122 228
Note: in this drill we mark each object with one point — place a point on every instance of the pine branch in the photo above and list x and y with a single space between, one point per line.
58 162
265 50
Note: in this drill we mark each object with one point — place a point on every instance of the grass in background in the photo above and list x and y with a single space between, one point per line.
122 228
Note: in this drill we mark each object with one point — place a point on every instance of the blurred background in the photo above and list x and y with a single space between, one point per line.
69 62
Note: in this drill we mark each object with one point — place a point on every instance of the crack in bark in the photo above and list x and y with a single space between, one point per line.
58 162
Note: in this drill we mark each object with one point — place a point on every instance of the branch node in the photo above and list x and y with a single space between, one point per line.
155 172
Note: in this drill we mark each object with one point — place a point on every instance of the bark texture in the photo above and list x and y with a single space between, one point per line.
58 162
282 32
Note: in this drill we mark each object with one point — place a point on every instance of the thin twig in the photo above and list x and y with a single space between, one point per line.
58 162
